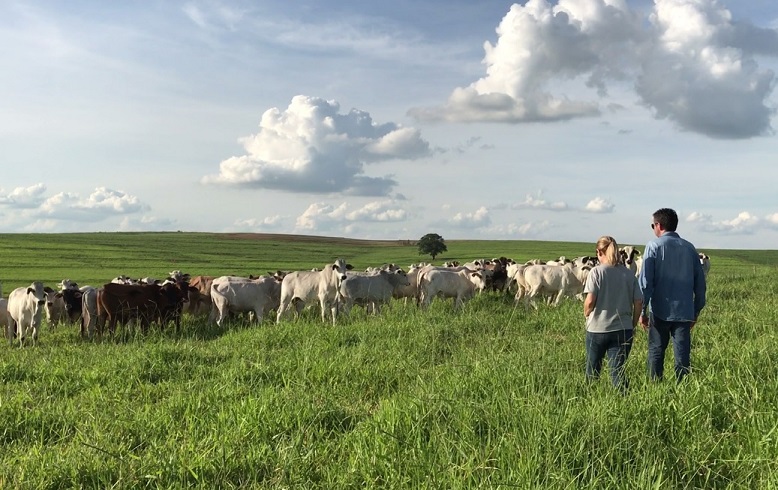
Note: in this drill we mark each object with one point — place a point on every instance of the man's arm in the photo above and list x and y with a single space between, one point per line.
646 279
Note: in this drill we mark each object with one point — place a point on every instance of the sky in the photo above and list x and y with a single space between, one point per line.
540 120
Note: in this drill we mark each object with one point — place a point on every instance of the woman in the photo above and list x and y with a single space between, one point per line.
612 310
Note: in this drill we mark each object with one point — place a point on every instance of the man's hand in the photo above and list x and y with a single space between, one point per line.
644 322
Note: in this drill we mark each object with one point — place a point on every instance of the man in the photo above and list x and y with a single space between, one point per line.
673 284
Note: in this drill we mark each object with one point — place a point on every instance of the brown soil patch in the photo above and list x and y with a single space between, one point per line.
317 239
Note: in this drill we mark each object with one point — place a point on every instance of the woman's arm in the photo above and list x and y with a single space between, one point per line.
589 302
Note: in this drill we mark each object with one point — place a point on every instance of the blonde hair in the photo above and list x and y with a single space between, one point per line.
609 248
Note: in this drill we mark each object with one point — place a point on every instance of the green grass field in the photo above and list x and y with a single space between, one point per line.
491 397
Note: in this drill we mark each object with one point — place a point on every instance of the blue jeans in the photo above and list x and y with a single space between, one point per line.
616 345
659 335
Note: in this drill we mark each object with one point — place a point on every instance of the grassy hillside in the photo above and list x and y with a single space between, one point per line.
490 397
95 258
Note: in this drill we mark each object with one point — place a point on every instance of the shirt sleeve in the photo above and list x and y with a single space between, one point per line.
592 285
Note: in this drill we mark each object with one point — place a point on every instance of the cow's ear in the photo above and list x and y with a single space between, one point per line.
78 295
30 291
58 295
48 290
349 267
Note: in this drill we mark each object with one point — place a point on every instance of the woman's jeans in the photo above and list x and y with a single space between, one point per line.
659 335
616 345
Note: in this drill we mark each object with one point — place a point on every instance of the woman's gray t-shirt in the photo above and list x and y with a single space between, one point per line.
617 289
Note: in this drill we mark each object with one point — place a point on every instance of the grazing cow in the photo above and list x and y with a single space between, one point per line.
122 279
705 262
149 302
55 308
67 284
412 289
554 281
560 261
586 261
64 306
306 286
460 285
497 279
25 307
627 256
373 290
515 273
88 311
239 295
200 304
175 297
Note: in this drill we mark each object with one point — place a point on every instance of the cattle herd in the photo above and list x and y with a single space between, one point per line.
336 288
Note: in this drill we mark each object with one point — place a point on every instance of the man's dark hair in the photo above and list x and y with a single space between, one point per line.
667 218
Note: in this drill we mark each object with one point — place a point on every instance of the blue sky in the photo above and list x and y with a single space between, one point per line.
543 120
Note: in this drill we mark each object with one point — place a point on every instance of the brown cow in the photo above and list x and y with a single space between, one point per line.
146 303
177 294
200 304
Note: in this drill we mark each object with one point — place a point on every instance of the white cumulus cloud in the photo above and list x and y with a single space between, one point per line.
103 202
688 60
538 202
477 219
745 223
24 197
599 205
321 216
311 147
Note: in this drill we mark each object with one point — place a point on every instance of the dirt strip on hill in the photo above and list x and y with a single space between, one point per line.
318 239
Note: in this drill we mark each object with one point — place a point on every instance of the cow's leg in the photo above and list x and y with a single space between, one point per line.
281 307
323 304
530 296
11 331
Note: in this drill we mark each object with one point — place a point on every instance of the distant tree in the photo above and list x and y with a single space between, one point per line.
432 244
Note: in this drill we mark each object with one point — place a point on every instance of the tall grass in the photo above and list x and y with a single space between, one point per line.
493 396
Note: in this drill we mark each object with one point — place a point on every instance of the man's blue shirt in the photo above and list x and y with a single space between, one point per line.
672 279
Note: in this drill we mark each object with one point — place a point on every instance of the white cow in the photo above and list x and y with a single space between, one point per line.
375 290
516 275
88 310
56 312
306 286
627 256
460 285
25 307
554 281
412 289
231 294
705 262
67 284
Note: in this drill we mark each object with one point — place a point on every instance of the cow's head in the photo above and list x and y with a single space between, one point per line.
38 295
478 279
340 266
50 296
278 275
66 284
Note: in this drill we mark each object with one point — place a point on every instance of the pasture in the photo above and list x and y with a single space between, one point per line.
490 397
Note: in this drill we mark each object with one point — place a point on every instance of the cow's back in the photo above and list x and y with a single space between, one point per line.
303 285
